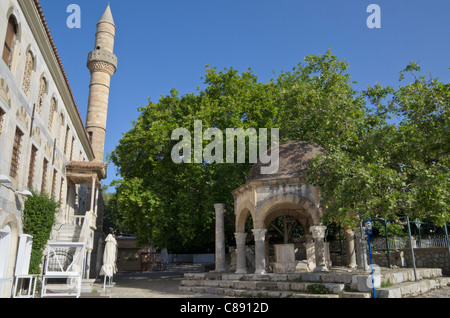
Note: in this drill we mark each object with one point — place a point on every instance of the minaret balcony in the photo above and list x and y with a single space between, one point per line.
102 60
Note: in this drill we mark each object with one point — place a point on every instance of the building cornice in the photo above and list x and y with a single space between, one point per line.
275 182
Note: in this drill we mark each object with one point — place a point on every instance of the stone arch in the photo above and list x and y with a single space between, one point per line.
45 77
32 49
245 210
43 91
267 211
12 11
52 113
13 35
61 118
284 210
29 69
54 97
12 222
60 129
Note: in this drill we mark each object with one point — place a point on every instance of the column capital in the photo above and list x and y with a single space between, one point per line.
219 207
259 234
318 231
349 232
241 236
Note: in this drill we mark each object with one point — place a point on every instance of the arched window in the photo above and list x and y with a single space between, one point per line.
2 117
5 252
29 65
51 117
10 41
17 149
44 176
41 97
60 130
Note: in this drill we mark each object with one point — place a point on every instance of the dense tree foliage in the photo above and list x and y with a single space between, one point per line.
397 167
367 167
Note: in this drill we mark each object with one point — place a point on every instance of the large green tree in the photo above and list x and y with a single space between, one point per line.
400 163
172 204
387 149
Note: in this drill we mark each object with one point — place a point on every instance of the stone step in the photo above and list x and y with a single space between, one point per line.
67 228
363 283
386 276
68 234
67 239
356 284
356 295
331 288
70 230
407 275
230 292
411 289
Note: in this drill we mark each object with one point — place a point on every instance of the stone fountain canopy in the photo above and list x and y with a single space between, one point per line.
266 197
285 193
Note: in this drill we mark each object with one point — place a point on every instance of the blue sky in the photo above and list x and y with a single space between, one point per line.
166 44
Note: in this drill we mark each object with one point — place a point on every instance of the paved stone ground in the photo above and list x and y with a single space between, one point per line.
165 284
156 284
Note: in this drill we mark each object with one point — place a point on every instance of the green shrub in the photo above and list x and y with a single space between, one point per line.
386 284
38 219
317 289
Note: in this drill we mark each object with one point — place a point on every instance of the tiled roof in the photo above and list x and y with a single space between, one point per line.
294 159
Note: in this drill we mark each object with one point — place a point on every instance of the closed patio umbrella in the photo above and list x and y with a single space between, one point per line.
109 267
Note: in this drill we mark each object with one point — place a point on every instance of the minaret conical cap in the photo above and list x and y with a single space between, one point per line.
107 16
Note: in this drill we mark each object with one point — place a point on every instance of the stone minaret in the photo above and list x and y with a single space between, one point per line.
102 63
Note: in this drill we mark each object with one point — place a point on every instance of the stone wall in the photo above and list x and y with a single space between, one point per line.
381 259
429 258
192 258
425 258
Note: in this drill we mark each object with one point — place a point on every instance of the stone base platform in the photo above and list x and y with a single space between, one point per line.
337 283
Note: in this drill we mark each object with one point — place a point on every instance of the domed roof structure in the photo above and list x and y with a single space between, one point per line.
294 159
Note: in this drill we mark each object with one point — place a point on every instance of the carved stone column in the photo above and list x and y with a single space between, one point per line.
241 261
220 238
93 192
351 254
361 253
318 233
260 258
266 250
88 263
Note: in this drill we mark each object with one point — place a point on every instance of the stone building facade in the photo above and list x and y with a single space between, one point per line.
44 144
